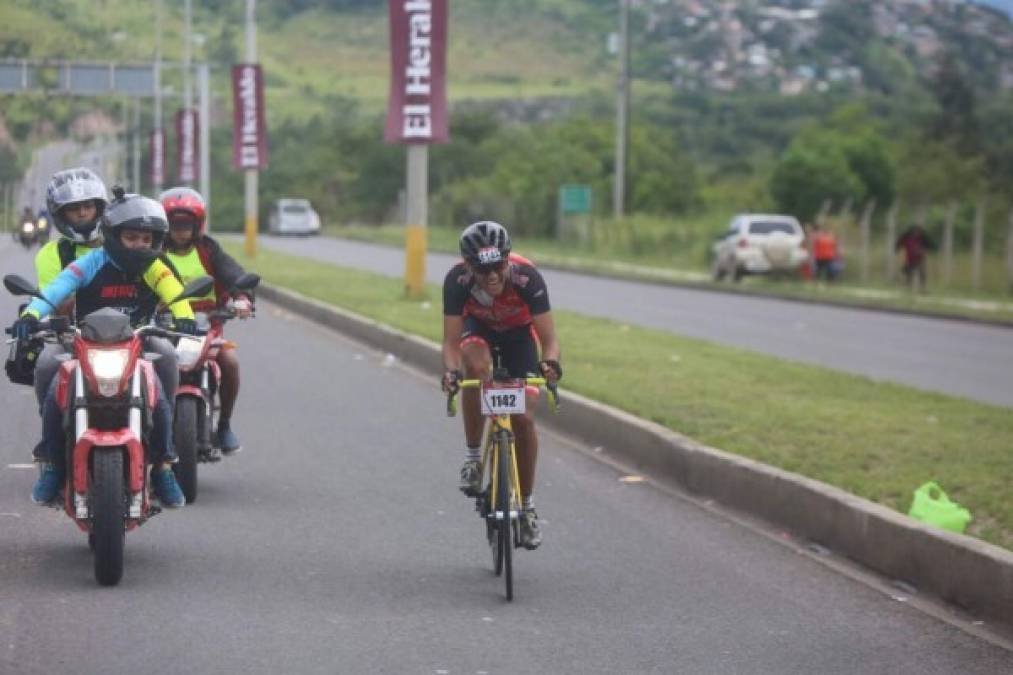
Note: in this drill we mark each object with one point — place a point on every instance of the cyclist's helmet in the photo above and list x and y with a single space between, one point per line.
133 212
485 244
73 186
185 205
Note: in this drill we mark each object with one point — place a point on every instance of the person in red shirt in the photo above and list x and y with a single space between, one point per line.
496 298
825 254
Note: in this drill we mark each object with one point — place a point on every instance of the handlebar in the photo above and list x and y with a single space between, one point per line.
551 387
49 331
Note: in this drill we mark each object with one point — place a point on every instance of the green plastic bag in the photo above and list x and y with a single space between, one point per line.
932 506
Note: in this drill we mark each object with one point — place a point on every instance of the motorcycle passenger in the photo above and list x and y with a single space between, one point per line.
195 254
76 199
497 298
126 274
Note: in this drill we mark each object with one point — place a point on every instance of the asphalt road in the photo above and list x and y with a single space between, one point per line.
951 357
61 155
337 543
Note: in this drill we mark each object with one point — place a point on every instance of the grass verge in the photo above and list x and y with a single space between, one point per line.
879 441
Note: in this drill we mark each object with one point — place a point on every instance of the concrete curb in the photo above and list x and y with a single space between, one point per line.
966 572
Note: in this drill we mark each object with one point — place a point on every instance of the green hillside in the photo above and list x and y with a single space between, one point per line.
799 107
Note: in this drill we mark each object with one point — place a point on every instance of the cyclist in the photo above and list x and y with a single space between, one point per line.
497 298
196 254
126 274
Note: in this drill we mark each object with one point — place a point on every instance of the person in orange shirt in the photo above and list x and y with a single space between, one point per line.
825 253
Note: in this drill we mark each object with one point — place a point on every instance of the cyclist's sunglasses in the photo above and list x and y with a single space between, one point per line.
489 268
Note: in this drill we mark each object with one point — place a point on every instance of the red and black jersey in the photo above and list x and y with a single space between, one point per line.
524 296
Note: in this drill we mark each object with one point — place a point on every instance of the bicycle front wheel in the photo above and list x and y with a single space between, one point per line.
504 508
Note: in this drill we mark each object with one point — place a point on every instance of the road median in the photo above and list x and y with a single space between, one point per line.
966 572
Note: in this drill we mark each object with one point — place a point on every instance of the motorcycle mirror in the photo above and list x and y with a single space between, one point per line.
247 282
19 286
195 288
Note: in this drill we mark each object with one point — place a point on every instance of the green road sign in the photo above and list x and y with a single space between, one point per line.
574 199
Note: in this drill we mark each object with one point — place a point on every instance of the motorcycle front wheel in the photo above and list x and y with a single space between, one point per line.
184 431
107 502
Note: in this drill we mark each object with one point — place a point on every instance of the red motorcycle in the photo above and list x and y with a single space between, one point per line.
107 392
196 397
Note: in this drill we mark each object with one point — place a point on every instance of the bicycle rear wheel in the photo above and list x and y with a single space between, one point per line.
504 507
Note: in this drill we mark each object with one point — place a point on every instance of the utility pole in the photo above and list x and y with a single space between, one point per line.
251 173
204 139
187 120
157 187
187 54
135 183
622 111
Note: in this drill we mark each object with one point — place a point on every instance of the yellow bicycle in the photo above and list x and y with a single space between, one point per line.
499 502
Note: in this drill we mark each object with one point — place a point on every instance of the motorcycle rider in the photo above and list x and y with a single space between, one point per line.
126 274
196 254
76 200
497 298
42 225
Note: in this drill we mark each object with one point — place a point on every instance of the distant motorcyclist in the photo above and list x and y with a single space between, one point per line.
26 228
42 227
195 254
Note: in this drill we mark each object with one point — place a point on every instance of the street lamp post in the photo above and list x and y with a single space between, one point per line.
622 111
251 173
157 187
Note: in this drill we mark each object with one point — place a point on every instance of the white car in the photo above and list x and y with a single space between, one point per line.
759 243
293 216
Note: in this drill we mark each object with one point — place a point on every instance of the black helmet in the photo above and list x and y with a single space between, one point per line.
73 186
485 243
133 212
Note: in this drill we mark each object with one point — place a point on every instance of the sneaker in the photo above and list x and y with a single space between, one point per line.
227 439
163 482
471 477
530 532
47 487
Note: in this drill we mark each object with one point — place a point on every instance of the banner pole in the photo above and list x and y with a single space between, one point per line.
416 219
250 226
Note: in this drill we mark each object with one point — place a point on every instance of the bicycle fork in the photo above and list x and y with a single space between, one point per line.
492 450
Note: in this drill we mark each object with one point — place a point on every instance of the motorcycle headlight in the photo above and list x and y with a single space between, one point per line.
27 228
108 365
188 351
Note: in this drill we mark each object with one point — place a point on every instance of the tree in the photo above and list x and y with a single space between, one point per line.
845 158
957 118
810 172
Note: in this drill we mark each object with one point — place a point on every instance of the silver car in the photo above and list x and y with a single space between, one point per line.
759 243
293 216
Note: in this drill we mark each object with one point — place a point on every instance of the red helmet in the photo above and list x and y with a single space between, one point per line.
185 205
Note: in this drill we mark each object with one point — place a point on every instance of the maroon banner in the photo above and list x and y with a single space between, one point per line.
249 136
157 145
417 108
187 139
